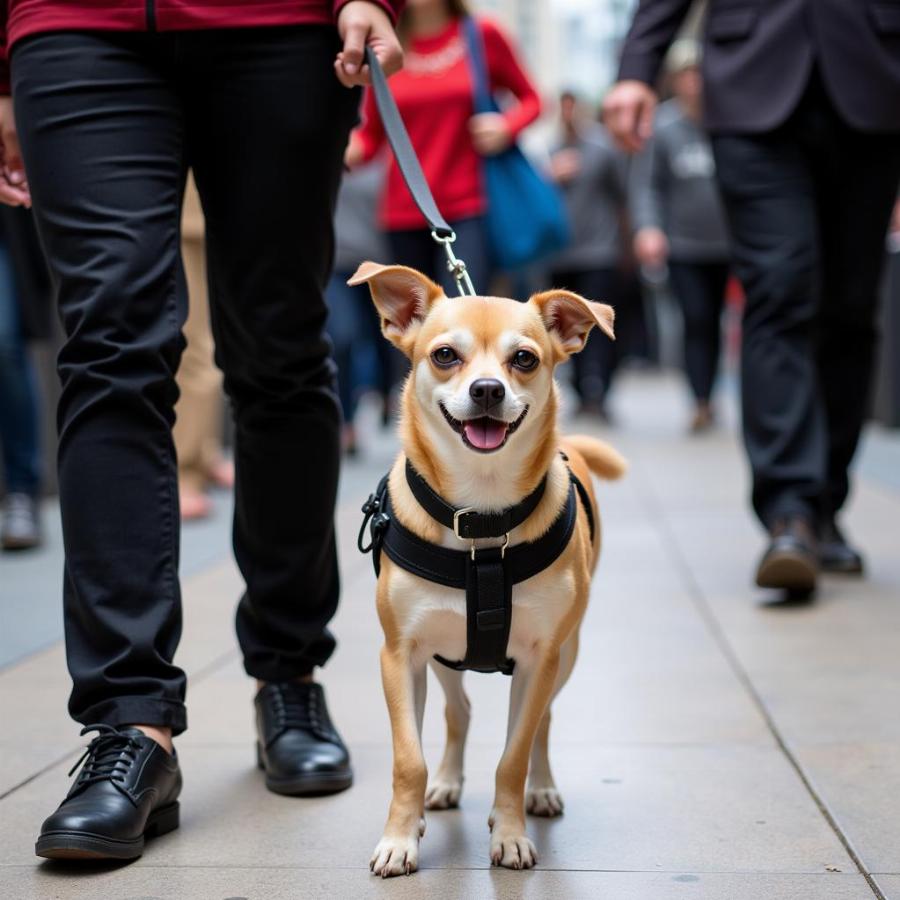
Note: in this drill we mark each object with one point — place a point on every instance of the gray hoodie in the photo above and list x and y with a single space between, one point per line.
594 201
673 187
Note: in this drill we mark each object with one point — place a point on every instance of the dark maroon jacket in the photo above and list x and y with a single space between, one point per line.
20 18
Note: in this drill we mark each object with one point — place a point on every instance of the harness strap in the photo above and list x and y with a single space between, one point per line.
467 523
486 575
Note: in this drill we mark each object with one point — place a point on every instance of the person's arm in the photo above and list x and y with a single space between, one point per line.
651 247
629 106
13 185
361 24
494 132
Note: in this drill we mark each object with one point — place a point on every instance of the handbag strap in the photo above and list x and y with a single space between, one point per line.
412 173
481 89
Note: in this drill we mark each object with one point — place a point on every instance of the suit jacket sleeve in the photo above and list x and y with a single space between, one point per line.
655 24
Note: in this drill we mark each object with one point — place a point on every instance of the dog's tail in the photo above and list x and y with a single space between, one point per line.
602 459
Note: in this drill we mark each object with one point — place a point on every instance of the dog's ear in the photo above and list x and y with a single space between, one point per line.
570 318
401 295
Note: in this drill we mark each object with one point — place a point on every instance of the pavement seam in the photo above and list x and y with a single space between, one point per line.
658 514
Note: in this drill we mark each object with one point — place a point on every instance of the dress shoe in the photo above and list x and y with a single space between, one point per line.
298 748
835 554
791 561
126 791
21 523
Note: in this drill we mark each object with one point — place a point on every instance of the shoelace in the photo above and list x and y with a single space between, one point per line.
108 757
297 706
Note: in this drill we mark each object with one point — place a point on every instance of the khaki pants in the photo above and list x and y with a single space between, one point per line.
198 425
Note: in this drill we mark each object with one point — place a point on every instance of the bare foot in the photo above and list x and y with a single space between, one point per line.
222 474
194 504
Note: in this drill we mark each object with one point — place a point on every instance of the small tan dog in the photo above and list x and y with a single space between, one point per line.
479 426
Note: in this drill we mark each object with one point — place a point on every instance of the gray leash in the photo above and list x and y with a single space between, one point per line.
409 166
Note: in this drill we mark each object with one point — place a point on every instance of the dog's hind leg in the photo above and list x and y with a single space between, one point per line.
445 788
542 797
397 852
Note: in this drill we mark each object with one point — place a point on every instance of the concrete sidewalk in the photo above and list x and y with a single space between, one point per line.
710 744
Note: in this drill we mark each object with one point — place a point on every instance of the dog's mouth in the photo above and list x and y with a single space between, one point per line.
483 434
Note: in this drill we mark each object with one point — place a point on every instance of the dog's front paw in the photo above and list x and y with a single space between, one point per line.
512 849
544 802
396 855
443 794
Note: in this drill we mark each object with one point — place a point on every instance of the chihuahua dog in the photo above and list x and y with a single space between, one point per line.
479 426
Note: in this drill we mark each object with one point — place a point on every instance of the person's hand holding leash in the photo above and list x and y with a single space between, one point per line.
362 23
13 184
628 113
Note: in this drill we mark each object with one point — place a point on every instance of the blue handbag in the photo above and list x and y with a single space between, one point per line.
525 219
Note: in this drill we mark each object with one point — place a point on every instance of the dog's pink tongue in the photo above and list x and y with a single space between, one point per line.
485 434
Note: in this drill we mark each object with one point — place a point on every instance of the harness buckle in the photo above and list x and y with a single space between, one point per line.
503 547
456 517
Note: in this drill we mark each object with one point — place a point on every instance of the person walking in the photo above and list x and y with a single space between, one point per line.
803 103
435 96
113 104
679 222
591 174
353 323
24 299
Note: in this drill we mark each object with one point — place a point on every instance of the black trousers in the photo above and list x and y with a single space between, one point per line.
808 206
594 368
109 124
700 290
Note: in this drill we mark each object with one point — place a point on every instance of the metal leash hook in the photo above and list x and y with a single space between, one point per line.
455 266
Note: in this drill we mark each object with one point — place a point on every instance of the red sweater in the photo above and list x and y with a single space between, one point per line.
434 94
19 18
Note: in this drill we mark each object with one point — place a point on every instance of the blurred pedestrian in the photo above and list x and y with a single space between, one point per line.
114 103
24 302
434 93
590 172
679 221
199 413
353 324
803 103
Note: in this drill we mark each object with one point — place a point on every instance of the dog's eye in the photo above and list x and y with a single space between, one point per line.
524 360
444 357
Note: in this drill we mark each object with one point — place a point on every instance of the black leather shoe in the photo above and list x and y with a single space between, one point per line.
791 561
126 791
835 554
298 748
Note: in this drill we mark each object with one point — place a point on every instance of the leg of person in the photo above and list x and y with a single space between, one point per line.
101 133
700 289
853 217
19 428
198 413
344 328
268 167
768 191
600 357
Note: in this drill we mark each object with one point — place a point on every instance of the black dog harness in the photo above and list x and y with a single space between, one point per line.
487 575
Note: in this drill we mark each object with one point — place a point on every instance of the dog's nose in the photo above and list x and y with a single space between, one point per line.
487 392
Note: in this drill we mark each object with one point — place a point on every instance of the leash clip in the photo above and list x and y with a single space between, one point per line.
455 266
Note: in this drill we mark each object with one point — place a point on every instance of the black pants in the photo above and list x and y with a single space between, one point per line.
595 366
109 124
808 205
700 290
